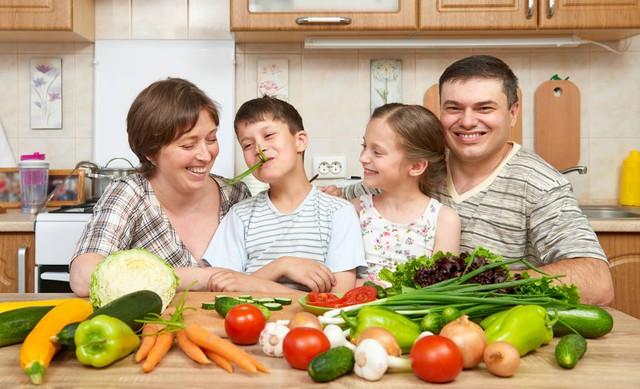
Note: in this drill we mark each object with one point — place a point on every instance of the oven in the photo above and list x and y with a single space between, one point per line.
56 234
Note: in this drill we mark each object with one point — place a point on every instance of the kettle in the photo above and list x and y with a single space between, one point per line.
102 176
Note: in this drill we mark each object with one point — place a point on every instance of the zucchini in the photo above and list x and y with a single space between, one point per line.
16 324
283 300
12 305
589 321
570 350
128 308
331 364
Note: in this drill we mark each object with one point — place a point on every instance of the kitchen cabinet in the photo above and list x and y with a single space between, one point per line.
47 20
623 251
17 261
544 16
270 16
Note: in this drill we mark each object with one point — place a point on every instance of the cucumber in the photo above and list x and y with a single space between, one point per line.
282 300
264 300
209 306
570 350
224 304
273 306
331 364
245 297
589 321
128 308
16 324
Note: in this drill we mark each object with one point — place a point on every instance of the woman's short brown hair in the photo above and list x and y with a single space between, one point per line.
421 136
163 112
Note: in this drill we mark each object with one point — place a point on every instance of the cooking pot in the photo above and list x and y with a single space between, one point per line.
102 176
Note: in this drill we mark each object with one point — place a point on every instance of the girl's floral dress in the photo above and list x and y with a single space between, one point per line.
386 243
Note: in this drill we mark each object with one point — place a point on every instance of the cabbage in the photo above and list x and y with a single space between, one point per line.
127 271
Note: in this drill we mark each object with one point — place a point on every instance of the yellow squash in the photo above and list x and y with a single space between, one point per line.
11 305
38 349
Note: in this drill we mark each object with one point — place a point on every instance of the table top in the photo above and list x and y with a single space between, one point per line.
612 360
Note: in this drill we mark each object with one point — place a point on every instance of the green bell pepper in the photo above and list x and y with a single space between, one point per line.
103 340
404 330
526 327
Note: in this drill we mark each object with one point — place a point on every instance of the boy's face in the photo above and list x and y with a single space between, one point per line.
282 149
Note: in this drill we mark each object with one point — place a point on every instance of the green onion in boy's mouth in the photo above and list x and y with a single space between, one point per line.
252 169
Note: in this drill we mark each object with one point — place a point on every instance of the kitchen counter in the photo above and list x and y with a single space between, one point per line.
15 221
615 225
610 361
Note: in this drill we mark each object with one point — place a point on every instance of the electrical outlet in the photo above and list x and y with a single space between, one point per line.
330 167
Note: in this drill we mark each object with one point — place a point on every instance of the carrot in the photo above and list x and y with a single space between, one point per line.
192 350
163 344
148 340
220 361
229 351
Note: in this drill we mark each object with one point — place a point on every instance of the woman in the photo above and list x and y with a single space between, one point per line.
173 206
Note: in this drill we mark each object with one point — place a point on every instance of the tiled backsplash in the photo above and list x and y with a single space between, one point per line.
330 88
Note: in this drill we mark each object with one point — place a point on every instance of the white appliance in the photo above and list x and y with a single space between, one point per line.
56 237
122 69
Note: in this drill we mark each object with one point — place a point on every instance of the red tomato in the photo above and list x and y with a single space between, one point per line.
302 344
436 359
317 297
244 323
362 294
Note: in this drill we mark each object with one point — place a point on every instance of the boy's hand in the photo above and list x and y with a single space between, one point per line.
308 272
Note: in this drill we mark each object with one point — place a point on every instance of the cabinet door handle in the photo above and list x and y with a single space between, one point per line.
323 20
530 9
552 8
22 265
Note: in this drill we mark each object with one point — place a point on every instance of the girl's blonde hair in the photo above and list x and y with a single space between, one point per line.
421 136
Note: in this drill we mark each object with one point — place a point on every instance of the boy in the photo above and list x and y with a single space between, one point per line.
291 233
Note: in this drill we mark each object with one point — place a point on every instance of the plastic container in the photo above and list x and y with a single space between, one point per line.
630 180
34 181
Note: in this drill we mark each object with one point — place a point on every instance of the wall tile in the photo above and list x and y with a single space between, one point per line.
113 19
613 95
208 19
84 96
57 150
83 148
581 182
9 88
410 92
605 161
159 19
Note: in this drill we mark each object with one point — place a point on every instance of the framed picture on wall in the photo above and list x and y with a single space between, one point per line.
67 186
9 188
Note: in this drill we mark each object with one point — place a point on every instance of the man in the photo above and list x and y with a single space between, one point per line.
510 200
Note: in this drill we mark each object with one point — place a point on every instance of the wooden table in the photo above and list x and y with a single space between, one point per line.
612 361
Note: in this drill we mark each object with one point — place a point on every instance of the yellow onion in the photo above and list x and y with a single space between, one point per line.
304 319
469 337
384 337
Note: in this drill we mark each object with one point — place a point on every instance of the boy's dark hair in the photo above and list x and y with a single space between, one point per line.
163 112
421 137
266 107
483 66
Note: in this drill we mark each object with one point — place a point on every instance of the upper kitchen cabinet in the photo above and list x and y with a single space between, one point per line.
47 20
595 19
265 20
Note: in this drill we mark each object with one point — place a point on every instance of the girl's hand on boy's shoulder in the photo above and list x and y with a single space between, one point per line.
331 190
308 272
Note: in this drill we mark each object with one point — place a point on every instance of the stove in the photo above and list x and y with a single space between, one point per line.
57 233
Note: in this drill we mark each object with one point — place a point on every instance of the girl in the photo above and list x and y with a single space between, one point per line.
403 155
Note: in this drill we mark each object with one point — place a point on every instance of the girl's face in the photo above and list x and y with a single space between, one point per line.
382 157
185 163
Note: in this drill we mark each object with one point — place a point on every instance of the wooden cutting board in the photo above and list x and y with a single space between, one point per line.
432 102
557 123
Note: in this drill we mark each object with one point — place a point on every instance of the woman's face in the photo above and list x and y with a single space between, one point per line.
185 163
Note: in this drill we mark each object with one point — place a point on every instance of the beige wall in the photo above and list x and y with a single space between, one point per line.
331 89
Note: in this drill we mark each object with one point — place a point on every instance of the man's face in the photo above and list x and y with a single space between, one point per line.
476 119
